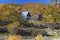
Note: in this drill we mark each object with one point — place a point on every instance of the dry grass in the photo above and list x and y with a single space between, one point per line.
14 37
38 37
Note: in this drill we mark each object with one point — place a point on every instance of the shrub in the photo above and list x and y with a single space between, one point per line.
22 32
12 26
38 37
14 37
43 32
3 30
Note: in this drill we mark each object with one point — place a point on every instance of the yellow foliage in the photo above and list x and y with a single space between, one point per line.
14 37
34 9
38 37
51 20
5 14
12 26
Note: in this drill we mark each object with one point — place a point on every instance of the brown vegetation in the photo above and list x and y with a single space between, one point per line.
50 12
14 37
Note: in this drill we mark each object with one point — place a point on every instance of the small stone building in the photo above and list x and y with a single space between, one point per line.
27 15
40 17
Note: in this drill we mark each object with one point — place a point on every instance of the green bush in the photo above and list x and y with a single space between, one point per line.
43 32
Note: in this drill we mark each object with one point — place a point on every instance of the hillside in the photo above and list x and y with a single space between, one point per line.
47 10
14 26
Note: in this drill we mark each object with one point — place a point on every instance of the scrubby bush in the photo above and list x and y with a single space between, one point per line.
14 37
12 26
43 32
22 32
17 21
38 37
56 26
34 32
3 30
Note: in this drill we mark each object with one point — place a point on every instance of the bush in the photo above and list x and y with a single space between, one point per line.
22 32
12 26
14 37
38 37
3 30
43 32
